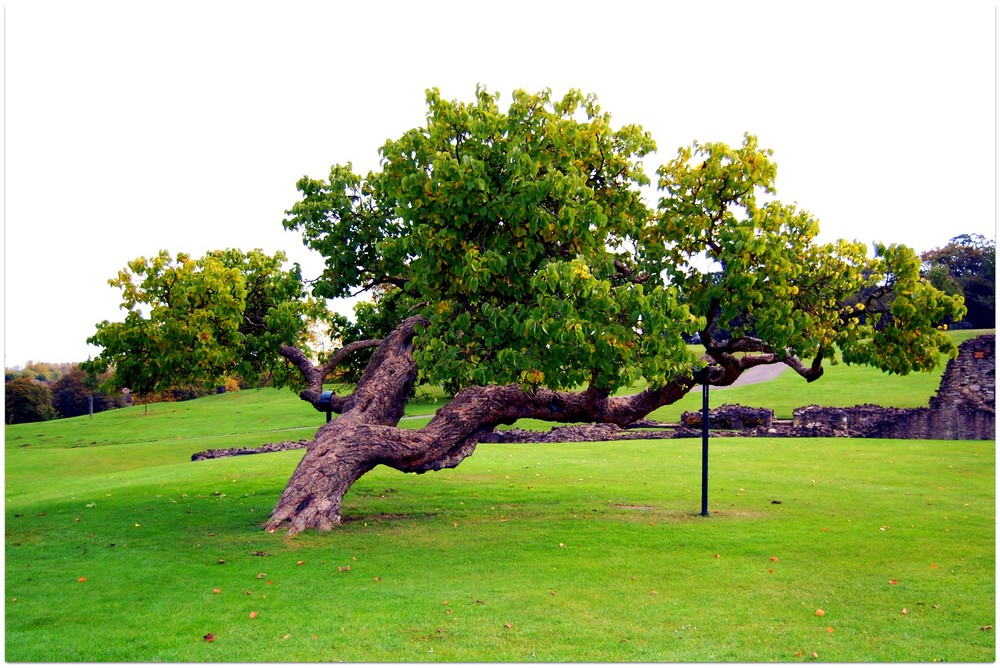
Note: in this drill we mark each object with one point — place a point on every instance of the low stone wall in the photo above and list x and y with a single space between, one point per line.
856 421
569 434
959 423
730 416
235 452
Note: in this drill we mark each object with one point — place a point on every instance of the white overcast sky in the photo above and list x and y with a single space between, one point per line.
131 127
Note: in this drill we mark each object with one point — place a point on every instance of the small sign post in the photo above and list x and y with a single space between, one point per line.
701 376
704 448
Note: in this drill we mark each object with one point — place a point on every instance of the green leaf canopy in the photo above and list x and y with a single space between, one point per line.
524 237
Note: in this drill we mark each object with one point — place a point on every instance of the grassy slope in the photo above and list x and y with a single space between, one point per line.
526 552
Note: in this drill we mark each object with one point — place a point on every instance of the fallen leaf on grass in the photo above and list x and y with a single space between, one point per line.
286 636
507 626
261 576
216 591
820 613
829 629
904 611
81 579
988 627
253 615
377 579
892 582
299 563
208 637
773 558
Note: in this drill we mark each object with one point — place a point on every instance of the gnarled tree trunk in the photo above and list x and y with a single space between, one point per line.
365 434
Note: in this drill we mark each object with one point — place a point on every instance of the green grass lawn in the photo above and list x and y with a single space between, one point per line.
119 548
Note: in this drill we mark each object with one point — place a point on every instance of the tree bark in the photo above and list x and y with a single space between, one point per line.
365 434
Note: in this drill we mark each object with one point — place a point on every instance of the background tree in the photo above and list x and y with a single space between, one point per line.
72 394
46 372
541 283
195 322
27 400
967 266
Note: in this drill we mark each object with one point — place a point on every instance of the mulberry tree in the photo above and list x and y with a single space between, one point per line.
520 262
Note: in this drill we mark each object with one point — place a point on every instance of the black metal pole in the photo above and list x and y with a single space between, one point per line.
704 450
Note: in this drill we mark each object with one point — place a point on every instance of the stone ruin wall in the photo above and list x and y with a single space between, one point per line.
964 407
730 416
